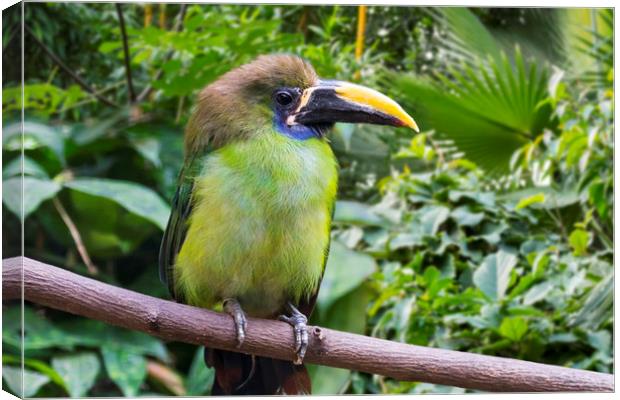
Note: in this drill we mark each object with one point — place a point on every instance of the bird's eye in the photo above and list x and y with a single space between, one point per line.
284 98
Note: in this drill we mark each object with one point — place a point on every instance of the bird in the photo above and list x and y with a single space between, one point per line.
249 229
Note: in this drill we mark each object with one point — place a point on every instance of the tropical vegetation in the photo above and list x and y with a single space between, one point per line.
490 231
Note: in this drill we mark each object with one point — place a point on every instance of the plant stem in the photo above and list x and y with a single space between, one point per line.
148 15
179 109
605 239
68 70
559 222
359 40
90 100
121 20
52 74
77 238
166 376
162 16
302 26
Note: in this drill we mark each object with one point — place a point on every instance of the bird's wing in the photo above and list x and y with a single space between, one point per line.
177 223
306 305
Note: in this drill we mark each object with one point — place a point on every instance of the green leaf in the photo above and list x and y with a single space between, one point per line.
78 370
126 368
36 191
105 126
328 380
513 328
107 47
345 270
136 198
431 274
200 377
36 365
434 282
33 381
39 333
492 233
352 212
43 135
528 201
493 276
563 338
108 229
486 199
148 148
347 314
431 217
464 217
406 239
579 240
537 293
598 198
597 307
552 198
30 167
601 341
93 333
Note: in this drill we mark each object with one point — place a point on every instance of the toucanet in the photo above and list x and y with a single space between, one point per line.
250 224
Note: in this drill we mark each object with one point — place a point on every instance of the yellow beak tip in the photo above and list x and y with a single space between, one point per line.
410 123
375 100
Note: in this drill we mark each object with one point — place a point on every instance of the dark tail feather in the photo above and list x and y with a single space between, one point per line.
243 374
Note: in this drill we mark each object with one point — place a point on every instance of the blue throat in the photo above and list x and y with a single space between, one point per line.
299 132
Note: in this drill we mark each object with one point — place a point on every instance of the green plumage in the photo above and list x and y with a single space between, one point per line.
258 229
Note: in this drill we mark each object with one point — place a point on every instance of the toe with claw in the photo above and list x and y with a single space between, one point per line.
233 308
299 323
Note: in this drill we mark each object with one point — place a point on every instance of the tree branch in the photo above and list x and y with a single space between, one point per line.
121 20
63 290
178 27
68 70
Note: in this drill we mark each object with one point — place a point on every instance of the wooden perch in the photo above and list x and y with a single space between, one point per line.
63 290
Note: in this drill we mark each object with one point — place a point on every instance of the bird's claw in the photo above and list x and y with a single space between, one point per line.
233 308
299 323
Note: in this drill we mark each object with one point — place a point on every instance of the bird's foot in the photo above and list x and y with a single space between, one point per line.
233 308
299 323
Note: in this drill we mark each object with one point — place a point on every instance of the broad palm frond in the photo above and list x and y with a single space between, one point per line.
488 110
540 32
463 37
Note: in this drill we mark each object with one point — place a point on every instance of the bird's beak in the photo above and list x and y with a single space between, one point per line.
335 101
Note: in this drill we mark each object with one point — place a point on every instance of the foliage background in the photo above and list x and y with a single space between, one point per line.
490 232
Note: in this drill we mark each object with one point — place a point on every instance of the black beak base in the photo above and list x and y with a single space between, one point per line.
325 107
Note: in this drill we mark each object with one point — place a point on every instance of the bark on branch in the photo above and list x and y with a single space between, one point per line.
63 290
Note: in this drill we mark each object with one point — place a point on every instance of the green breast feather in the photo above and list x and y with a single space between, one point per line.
259 224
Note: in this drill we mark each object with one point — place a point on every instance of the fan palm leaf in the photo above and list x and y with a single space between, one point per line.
463 37
488 110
